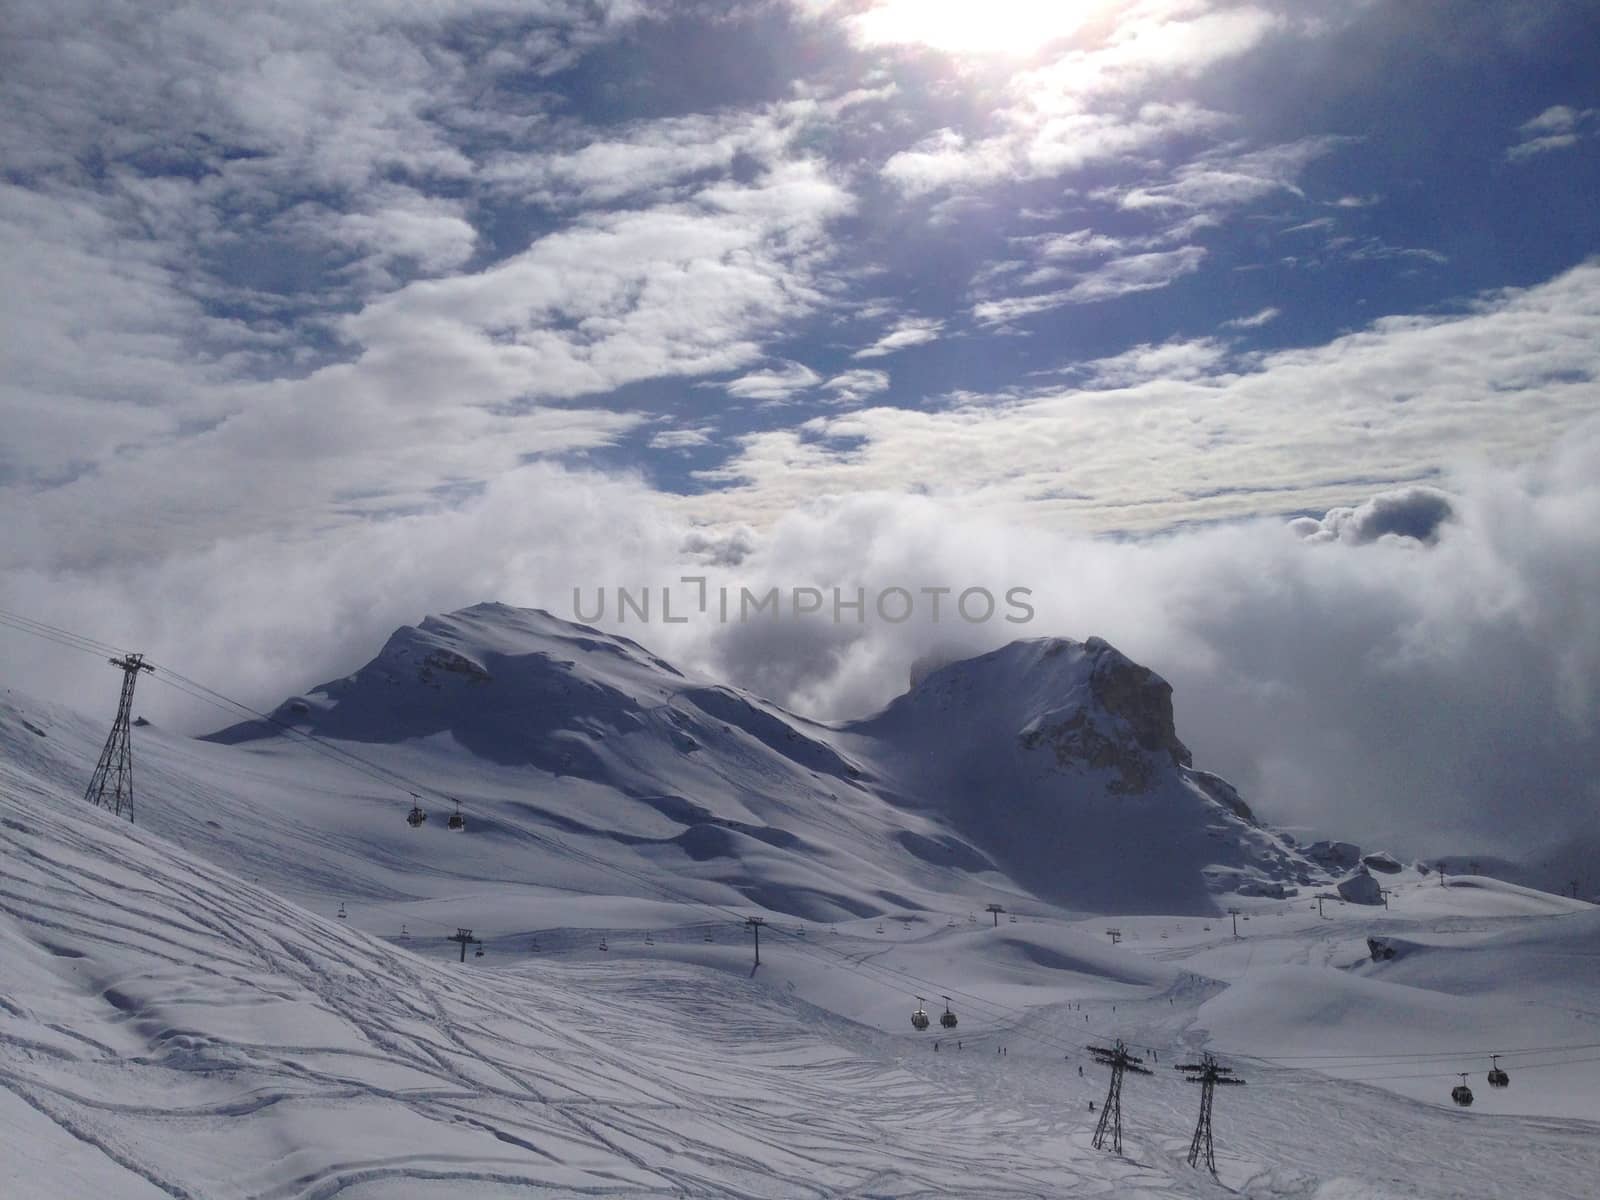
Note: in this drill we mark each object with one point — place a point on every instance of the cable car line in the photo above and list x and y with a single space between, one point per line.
1476 1051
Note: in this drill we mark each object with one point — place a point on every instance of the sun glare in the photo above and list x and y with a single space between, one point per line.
972 26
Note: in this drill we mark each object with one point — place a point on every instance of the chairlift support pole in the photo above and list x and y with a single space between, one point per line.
114 771
1234 913
1120 1061
1208 1075
755 923
463 936
996 909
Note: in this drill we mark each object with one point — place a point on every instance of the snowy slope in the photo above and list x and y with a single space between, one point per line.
168 1029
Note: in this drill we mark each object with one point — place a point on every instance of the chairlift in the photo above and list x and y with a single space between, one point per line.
1461 1093
880 926
948 1020
342 916
457 822
603 945
1013 918
919 1019
1497 1077
404 933
649 940
478 953
708 936
416 816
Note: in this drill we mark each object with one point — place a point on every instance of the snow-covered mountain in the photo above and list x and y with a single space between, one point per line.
168 1028
1062 761
1049 764
254 991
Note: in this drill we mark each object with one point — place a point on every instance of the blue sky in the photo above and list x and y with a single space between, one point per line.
318 317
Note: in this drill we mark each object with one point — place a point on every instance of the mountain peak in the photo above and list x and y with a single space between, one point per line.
1086 702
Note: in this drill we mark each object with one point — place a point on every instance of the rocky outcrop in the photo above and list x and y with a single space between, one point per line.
1225 794
1381 861
1360 888
1139 697
451 663
1128 729
1336 856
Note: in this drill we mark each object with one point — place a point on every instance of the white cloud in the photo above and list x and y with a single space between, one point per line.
1292 429
651 159
1228 177
1118 277
1083 105
1255 320
851 387
682 439
907 332
445 390
776 383
1556 128
1176 359
1040 146
1418 513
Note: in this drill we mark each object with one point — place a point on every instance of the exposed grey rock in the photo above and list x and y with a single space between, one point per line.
1336 856
1225 794
1273 888
1360 888
1129 729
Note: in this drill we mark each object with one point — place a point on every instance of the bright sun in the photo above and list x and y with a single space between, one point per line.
972 26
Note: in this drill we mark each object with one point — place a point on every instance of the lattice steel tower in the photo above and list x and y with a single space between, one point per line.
1119 1060
114 772
1207 1074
